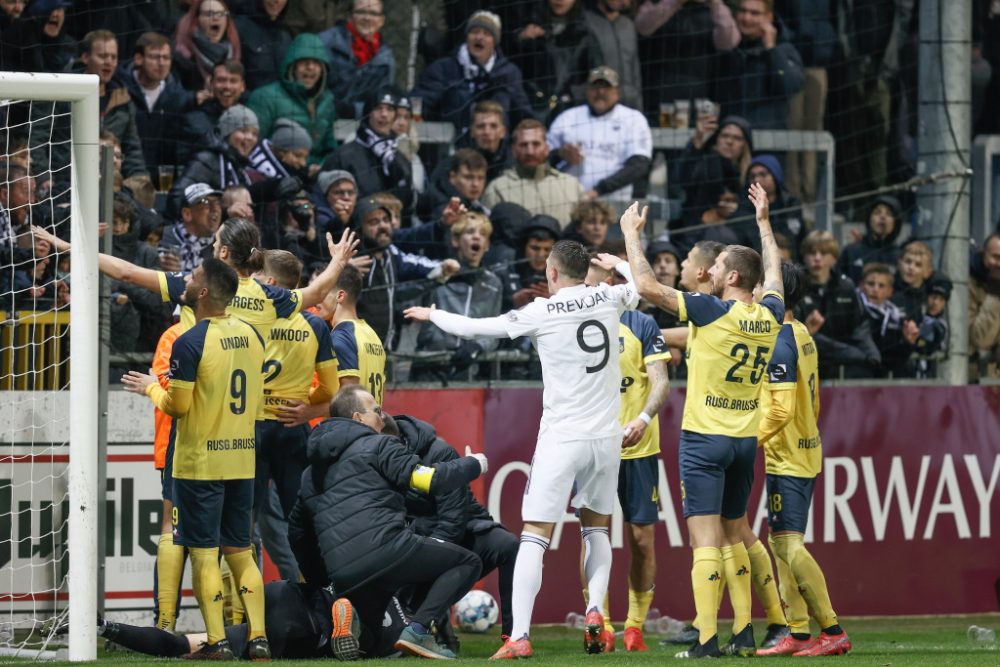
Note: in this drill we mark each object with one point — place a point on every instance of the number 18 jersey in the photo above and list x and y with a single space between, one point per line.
728 349
576 334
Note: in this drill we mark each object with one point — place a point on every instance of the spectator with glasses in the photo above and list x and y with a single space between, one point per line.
205 37
361 61
193 234
335 196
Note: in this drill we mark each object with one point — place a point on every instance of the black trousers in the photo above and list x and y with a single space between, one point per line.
497 548
281 456
448 570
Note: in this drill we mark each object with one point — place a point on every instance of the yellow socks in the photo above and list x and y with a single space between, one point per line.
796 610
250 585
807 575
208 590
764 586
638 607
169 570
706 571
736 565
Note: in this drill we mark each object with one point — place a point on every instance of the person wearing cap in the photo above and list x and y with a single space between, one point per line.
390 266
301 94
335 197
159 98
476 71
189 237
225 161
604 144
786 211
533 182
884 224
555 51
361 62
286 153
373 157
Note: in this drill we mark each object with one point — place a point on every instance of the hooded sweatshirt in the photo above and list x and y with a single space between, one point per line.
871 249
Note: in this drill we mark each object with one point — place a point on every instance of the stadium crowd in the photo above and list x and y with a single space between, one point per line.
219 110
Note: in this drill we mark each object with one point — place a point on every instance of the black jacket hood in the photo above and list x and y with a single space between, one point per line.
417 435
329 440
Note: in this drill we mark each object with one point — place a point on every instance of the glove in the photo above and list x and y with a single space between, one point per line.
483 463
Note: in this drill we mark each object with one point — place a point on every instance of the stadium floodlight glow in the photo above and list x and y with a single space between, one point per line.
82 92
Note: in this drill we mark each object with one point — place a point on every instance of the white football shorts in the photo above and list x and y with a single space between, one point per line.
558 463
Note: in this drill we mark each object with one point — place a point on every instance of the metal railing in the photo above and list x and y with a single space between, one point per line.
985 150
34 350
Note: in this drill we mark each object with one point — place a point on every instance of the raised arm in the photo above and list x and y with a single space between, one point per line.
459 325
663 296
120 269
340 255
769 253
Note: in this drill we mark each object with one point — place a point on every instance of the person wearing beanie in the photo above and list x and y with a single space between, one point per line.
361 62
718 153
476 71
786 212
335 196
879 244
286 153
373 157
301 95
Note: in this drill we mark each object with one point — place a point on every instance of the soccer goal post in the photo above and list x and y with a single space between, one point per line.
78 590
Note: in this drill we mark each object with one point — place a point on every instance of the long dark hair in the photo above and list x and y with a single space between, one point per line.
242 238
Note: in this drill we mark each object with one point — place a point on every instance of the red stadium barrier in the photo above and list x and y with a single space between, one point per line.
905 518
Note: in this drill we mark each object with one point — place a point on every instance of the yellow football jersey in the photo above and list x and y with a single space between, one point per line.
258 304
728 349
220 360
295 347
639 343
797 449
360 354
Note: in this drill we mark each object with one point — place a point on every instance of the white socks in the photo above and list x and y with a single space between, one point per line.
596 565
528 580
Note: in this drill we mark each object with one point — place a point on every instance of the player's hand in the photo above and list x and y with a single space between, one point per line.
419 313
295 413
758 197
342 251
633 220
634 431
483 463
362 263
136 382
606 261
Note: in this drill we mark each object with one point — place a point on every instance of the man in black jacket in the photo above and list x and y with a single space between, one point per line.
834 315
457 517
349 528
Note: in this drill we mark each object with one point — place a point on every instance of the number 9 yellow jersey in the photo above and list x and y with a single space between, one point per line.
729 346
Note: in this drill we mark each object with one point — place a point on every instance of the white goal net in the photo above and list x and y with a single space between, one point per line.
48 396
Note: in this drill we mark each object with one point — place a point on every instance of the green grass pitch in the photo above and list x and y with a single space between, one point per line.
878 642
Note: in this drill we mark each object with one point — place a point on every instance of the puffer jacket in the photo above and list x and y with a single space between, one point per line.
447 516
353 84
348 526
312 109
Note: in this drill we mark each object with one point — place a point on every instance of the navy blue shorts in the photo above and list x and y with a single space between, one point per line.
212 513
788 500
716 474
639 489
167 474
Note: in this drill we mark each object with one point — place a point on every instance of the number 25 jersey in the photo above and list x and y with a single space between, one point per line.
576 334
728 349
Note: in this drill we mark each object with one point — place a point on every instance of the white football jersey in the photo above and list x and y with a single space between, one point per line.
576 335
